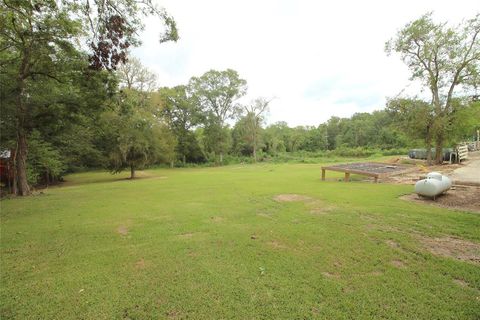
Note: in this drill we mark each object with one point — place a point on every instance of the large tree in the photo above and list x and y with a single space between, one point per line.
253 117
133 75
444 59
182 114
415 118
136 137
33 39
40 40
217 93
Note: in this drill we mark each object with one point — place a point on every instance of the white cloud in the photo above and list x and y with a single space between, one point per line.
319 59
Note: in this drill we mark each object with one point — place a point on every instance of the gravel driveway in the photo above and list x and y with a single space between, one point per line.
470 172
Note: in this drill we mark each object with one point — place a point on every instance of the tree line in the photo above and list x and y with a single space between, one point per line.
56 59
72 98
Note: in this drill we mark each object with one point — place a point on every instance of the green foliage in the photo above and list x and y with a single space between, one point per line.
375 130
182 114
216 93
442 58
276 137
136 138
250 125
79 146
217 140
414 117
247 134
48 80
465 120
45 162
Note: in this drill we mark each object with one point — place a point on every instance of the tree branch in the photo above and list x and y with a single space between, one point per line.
43 74
461 67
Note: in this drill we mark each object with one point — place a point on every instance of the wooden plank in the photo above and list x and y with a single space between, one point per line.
462 152
398 170
365 173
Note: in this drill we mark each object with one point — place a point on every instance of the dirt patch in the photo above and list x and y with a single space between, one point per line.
140 264
460 282
315 206
217 219
459 198
192 254
398 264
348 289
277 245
453 248
331 275
291 198
419 172
376 273
122 230
392 244
187 235
174 314
318 208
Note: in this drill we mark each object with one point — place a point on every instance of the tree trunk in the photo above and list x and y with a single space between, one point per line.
184 160
21 165
21 114
438 126
254 147
14 172
47 176
221 158
132 171
429 152
439 149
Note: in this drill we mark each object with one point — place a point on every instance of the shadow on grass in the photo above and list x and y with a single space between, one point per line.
105 177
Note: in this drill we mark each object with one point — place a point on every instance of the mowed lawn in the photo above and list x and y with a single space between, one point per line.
236 242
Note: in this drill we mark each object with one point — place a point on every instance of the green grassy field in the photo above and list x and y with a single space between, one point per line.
215 243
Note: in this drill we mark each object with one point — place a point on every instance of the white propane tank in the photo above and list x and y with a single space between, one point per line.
447 182
435 184
434 175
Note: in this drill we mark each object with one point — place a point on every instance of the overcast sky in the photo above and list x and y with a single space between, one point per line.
317 58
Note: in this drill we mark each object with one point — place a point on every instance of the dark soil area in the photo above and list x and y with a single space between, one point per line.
459 197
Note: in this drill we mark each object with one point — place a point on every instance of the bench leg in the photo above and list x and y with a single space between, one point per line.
323 174
347 176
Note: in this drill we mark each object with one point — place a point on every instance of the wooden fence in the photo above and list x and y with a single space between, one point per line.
462 152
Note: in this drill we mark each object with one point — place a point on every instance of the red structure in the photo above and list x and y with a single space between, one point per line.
6 168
